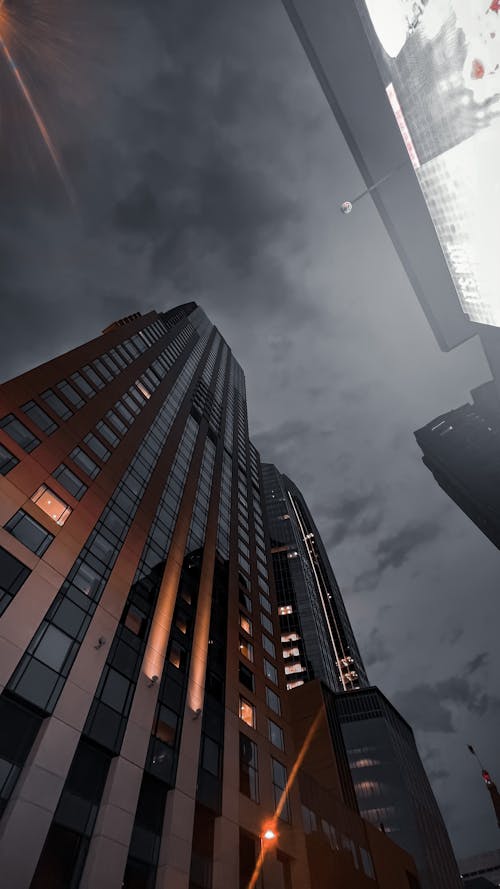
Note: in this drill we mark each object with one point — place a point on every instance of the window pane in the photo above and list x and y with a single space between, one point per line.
246 677
246 624
247 712
97 447
115 690
82 384
7 460
53 648
85 462
266 623
38 416
51 505
273 701
70 393
12 576
275 734
246 648
270 671
166 726
56 404
268 646
19 433
29 532
210 759
70 481
107 433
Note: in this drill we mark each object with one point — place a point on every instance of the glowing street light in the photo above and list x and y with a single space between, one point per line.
269 834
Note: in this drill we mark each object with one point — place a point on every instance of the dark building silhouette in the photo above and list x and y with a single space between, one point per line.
145 732
392 789
462 450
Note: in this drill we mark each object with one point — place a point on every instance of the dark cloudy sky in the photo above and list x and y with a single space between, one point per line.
209 167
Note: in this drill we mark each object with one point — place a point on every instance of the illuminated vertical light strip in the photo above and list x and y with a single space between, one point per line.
327 616
272 826
403 126
37 118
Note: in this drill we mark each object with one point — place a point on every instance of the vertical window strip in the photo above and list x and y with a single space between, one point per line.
196 536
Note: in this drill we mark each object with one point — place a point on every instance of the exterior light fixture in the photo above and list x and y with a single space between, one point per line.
152 681
269 834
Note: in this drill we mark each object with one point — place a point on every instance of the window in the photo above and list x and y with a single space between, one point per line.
97 447
135 621
273 701
53 648
264 601
55 403
285 609
12 576
294 684
290 637
51 504
294 668
367 862
103 370
246 624
246 649
29 532
268 646
309 819
246 677
177 656
166 726
107 433
124 412
91 374
249 783
117 423
266 623
275 734
245 600
211 756
85 462
291 652
247 712
280 778
38 416
7 460
82 384
19 433
70 481
270 671
70 393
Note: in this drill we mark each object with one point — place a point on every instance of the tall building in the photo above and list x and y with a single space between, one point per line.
145 731
461 449
392 789
485 866
316 633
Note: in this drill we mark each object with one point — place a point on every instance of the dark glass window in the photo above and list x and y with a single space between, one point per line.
275 735
129 401
53 647
124 412
97 447
29 532
92 376
117 423
273 701
249 782
7 460
12 576
211 757
247 859
246 677
59 859
38 416
71 394
279 783
82 384
115 690
107 433
166 725
85 462
135 621
103 370
270 671
70 481
245 600
19 433
56 404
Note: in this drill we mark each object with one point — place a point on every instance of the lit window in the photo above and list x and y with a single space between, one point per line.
290 637
295 684
291 652
247 712
285 609
246 624
141 387
294 668
51 505
246 648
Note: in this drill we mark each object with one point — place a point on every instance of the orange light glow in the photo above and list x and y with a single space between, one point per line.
279 808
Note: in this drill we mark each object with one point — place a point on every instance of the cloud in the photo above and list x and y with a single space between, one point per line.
394 551
430 708
374 649
477 663
355 514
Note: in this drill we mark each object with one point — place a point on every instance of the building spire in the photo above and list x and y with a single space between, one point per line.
490 784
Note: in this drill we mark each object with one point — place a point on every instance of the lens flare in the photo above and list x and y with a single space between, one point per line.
21 84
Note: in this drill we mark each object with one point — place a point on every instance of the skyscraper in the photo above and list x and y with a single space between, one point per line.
145 738
461 448
316 633
392 789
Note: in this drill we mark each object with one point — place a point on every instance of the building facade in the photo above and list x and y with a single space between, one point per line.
316 633
485 866
145 740
392 789
461 449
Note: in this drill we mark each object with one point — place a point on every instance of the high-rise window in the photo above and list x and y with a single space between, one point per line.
70 481
7 460
12 576
246 648
275 734
246 677
247 712
246 624
270 671
19 433
268 645
280 777
273 701
29 532
249 780
51 504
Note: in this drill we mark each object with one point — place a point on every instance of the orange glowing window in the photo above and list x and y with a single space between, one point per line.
247 712
51 504
246 624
